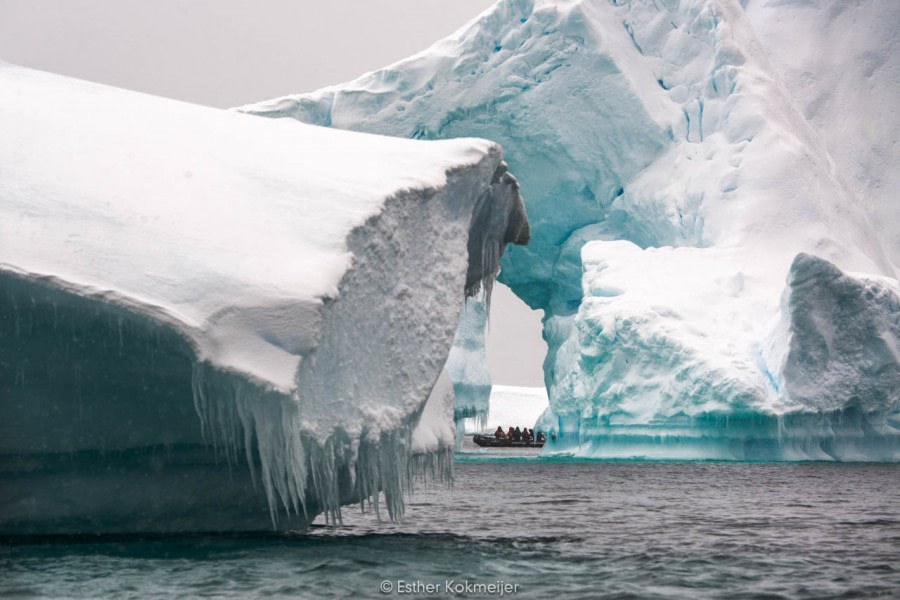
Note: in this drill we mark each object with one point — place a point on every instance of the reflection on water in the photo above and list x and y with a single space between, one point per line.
582 529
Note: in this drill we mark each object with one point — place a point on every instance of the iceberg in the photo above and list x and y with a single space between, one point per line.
215 322
696 246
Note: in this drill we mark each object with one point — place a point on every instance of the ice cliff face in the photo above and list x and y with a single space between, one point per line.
216 322
677 198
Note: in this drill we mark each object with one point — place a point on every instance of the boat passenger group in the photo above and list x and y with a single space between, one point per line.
519 435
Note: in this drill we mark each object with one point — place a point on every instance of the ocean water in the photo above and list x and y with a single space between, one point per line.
526 527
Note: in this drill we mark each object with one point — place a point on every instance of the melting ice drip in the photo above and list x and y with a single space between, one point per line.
300 475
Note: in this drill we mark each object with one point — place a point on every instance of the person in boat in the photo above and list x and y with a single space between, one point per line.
511 434
518 437
541 438
499 433
531 435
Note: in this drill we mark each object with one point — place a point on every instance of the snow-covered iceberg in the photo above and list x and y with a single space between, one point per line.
694 246
177 278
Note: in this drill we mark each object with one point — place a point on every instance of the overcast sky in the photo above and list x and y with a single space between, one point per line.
229 52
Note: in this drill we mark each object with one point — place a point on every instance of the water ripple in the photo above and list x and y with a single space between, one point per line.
554 528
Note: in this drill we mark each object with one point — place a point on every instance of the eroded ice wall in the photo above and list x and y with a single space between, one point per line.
672 185
217 322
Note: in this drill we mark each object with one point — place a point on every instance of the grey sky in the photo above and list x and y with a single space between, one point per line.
229 52
222 52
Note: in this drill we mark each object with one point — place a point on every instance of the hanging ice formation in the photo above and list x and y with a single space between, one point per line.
467 368
296 288
712 286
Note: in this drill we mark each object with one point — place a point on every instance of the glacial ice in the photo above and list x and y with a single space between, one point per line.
678 200
212 321
467 368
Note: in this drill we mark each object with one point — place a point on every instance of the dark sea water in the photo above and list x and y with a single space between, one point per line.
545 527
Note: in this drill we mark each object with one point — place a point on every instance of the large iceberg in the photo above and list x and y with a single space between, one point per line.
712 285
212 321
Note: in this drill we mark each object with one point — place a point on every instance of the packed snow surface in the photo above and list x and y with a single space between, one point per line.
296 288
701 219
840 61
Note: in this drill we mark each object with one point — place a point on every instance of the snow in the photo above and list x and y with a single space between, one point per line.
841 63
296 288
843 331
177 151
679 171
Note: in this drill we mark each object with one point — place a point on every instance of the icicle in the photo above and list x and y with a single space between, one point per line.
200 403
292 467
